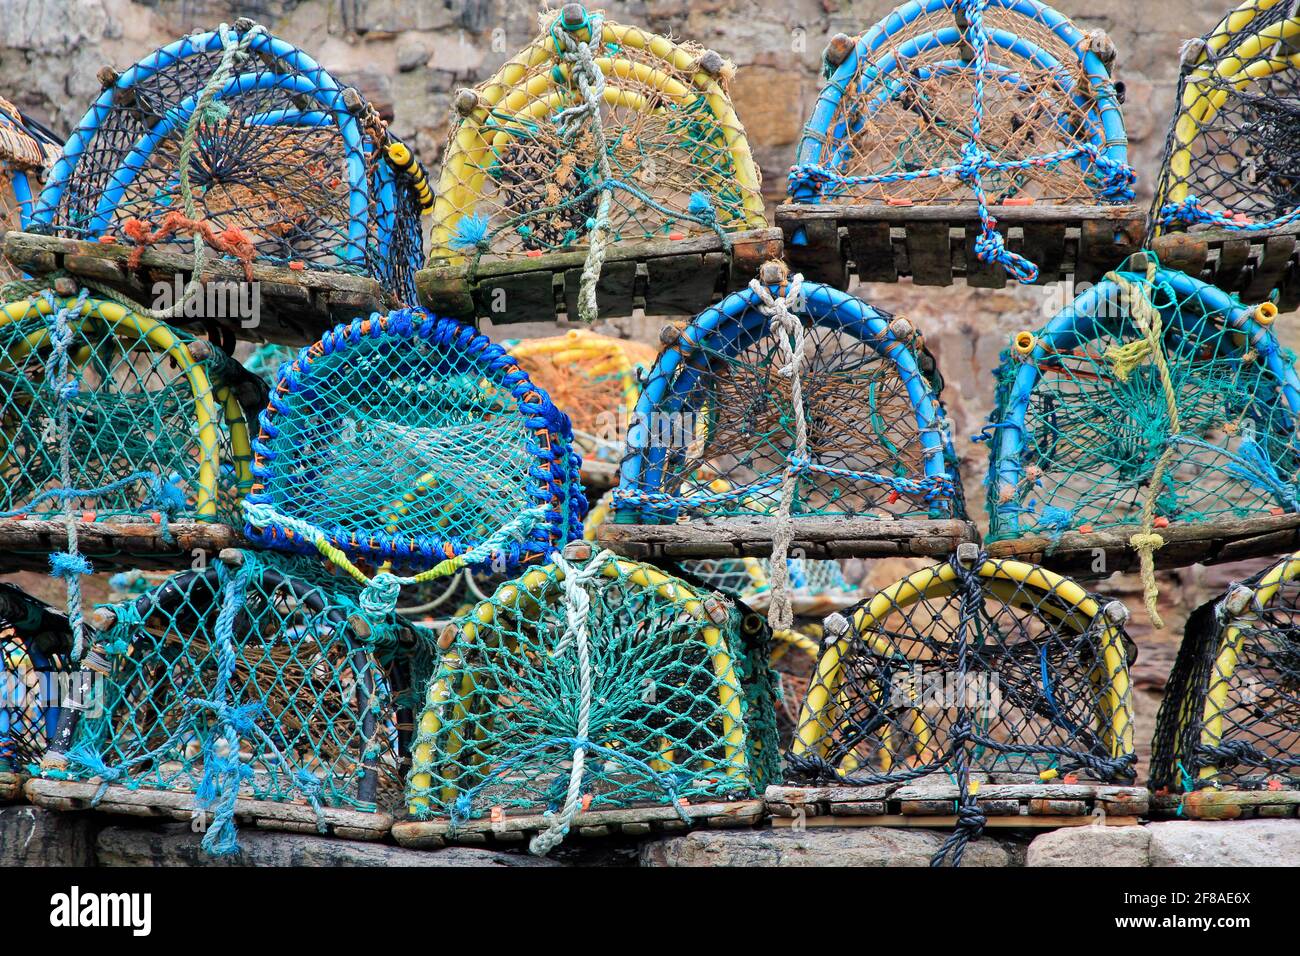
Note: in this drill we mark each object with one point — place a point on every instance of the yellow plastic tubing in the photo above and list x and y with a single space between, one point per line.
131 326
599 355
1011 581
1216 700
1253 56
463 173
455 684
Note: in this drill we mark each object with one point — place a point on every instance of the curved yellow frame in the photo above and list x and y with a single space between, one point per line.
534 583
125 323
461 181
1225 662
1006 579
1204 95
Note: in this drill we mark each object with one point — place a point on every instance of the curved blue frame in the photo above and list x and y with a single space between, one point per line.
313 80
553 475
1085 320
730 326
818 132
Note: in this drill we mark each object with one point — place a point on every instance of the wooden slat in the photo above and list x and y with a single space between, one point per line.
817 537
929 252
1250 263
1044 245
264 814
1212 542
425 834
615 290
1228 804
872 251
1084 241
665 276
979 274
294 306
26 544
1274 260
999 823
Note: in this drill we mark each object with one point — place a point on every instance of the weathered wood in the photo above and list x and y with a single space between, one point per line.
663 276
1227 804
871 246
26 544
816 537
1100 553
1250 263
264 814
11 787
935 798
636 821
1003 823
1083 241
294 306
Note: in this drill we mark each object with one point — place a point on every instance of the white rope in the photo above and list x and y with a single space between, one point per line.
591 84
577 606
789 331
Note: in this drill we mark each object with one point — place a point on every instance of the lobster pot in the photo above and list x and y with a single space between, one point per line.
1232 159
986 666
240 137
258 676
114 415
1230 719
413 440
534 166
717 430
26 153
600 684
950 102
594 380
34 646
1152 396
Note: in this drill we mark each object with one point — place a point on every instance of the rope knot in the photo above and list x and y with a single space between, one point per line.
379 596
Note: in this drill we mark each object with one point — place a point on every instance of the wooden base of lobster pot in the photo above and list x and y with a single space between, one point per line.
1227 805
934 804
292 306
933 245
26 543
69 795
1251 264
11 787
1096 554
630 821
662 277
813 537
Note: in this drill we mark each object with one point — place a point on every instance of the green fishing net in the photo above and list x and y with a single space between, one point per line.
596 684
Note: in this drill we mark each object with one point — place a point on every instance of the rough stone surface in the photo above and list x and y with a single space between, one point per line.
829 846
175 845
30 836
1231 843
1091 846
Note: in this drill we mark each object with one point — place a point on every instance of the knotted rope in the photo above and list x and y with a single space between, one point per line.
581 57
69 565
789 332
1124 359
577 608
